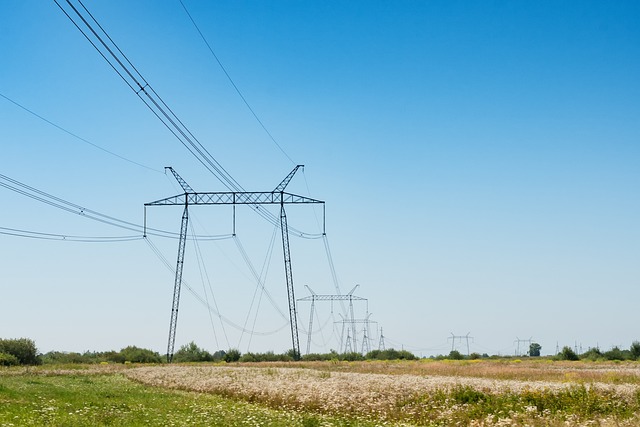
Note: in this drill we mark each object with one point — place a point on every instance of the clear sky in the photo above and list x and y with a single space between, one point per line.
479 161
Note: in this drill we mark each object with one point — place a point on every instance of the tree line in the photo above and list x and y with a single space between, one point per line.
23 351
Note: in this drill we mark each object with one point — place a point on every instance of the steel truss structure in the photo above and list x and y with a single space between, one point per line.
276 197
316 297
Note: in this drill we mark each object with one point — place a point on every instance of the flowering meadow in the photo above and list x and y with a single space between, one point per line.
484 393
508 392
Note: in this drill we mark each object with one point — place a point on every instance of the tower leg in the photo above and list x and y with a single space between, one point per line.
293 315
313 302
177 285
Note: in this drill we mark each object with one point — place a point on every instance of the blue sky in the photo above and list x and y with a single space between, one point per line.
479 161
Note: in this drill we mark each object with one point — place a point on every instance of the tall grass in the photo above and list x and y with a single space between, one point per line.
407 398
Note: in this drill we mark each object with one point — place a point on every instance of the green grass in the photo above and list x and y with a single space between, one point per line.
112 400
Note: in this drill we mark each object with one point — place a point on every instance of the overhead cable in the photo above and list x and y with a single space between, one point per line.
228 321
109 50
76 136
86 23
57 202
224 70
66 237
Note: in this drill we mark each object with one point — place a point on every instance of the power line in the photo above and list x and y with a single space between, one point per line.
228 321
76 136
224 70
66 237
57 202
109 50
86 23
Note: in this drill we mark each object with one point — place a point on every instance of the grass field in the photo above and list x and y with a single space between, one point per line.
421 393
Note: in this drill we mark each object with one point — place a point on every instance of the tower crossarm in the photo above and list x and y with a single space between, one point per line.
234 198
332 298
286 180
352 321
186 187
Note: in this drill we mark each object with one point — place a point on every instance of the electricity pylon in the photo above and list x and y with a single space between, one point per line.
518 341
276 197
315 297
381 346
460 338
353 322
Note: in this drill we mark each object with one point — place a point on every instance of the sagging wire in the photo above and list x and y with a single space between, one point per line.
228 321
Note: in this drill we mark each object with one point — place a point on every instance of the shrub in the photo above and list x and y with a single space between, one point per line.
269 356
615 354
455 355
635 350
320 356
233 355
218 355
114 356
592 354
568 354
351 356
62 357
192 353
390 354
139 355
23 349
8 360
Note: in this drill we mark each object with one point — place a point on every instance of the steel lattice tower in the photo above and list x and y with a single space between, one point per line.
276 197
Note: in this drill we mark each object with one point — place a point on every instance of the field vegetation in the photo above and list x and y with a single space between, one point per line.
134 387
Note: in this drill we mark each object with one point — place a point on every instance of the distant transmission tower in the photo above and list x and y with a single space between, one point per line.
381 343
349 324
365 347
316 297
518 340
460 338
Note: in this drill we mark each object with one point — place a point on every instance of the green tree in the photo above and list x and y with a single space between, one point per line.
614 354
23 349
192 353
534 349
635 350
8 360
139 355
592 354
455 355
568 354
233 355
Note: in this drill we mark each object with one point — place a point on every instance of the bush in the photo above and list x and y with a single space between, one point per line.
455 355
615 354
62 357
139 355
568 354
192 353
390 354
269 356
635 350
23 349
351 357
320 356
592 354
8 360
114 356
233 355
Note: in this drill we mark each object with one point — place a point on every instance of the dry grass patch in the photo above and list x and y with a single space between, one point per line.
417 398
